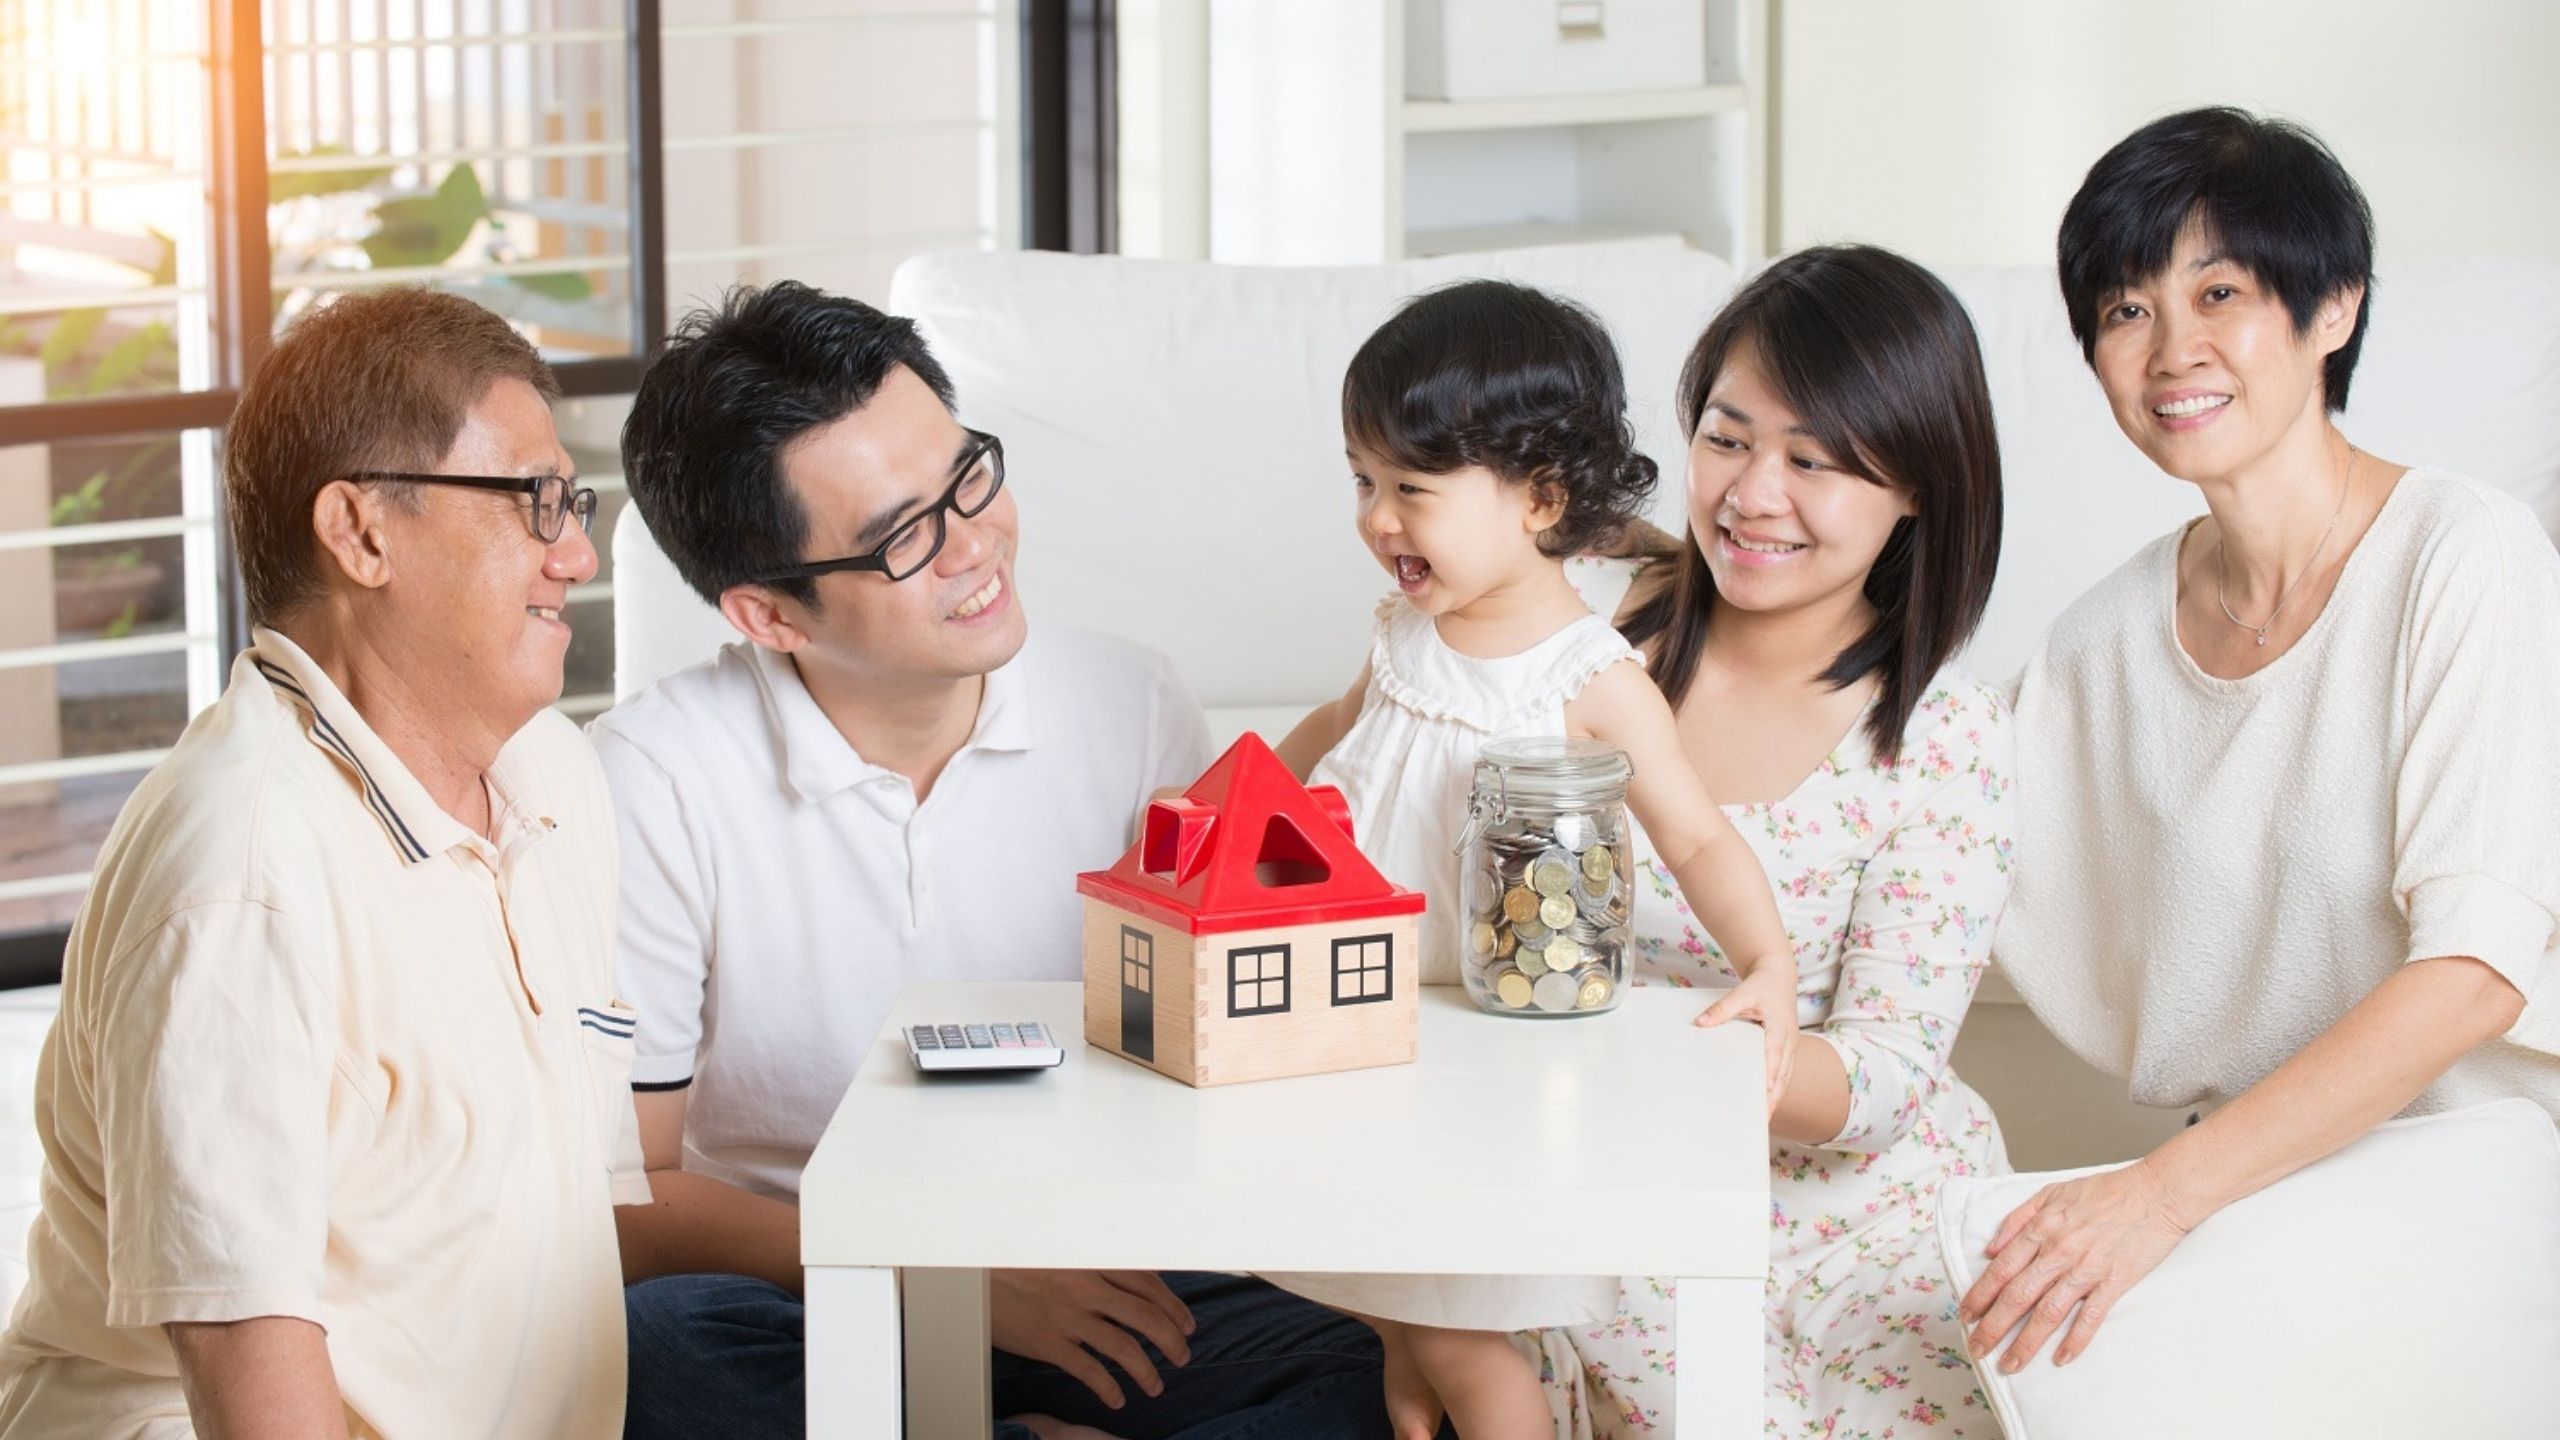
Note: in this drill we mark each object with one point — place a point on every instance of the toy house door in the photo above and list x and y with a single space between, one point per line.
1137 993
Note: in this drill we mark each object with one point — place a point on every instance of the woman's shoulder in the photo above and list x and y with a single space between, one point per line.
2127 597
2443 517
1958 725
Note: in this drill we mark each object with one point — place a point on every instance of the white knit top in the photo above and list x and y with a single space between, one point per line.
2211 872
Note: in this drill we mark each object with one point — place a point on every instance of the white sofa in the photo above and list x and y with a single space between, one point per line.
1173 437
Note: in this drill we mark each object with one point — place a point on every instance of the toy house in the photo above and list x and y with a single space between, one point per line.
1245 937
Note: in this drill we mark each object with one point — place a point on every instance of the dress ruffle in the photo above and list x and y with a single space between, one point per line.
1416 669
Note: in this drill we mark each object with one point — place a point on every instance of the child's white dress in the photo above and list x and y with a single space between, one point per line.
1407 768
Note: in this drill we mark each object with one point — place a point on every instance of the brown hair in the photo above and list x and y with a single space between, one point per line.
1880 360
376 380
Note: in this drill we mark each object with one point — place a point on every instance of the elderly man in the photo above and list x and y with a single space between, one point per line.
896 777
335 1111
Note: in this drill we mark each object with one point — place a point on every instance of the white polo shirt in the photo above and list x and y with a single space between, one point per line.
326 1053
778 889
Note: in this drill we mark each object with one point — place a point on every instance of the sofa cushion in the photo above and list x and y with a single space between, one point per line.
2407 1285
1174 433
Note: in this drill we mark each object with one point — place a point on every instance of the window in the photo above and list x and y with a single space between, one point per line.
1363 969
1137 960
181 178
1258 980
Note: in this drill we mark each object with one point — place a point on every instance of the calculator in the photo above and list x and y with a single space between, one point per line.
1021 1045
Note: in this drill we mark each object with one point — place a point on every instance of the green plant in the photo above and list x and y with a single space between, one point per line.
413 231
84 506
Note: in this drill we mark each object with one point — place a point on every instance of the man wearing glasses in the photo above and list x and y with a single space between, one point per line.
896 777
336 1107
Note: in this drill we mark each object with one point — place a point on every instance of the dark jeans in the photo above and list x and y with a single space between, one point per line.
721 1355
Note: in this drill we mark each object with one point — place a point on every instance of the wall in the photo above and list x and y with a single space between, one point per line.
1956 130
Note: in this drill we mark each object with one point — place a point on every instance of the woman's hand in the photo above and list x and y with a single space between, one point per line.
1767 995
2081 1243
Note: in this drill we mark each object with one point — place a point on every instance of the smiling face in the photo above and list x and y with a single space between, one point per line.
1780 523
2204 366
479 606
1449 539
859 478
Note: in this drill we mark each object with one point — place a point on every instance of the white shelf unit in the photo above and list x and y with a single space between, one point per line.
1316 155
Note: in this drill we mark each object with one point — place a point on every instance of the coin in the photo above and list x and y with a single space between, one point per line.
1599 863
1560 954
1515 990
1552 873
1480 938
1595 991
1556 912
1520 903
1554 992
1532 960
1504 943
1575 832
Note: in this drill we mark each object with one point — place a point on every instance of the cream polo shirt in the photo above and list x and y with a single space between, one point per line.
323 1052
778 888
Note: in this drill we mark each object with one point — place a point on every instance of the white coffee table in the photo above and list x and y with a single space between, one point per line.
1623 1144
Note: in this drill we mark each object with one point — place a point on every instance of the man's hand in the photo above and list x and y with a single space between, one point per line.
1068 1317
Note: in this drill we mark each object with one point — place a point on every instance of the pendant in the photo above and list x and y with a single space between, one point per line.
2262 637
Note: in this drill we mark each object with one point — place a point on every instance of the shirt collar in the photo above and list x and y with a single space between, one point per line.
411 820
820 762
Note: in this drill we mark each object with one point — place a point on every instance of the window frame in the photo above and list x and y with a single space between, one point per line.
1262 955
1384 942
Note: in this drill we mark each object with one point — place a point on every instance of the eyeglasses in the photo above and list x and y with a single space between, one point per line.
553 500
978 475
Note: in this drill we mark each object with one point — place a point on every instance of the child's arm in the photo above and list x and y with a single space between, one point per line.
1717 872
1323 729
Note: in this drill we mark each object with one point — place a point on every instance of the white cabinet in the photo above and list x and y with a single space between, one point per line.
1518 49
1319 152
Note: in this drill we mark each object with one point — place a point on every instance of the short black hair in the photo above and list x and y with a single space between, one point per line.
1880 360
738 383
2272 197
1484 372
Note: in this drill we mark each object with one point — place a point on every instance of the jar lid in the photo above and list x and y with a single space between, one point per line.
1553 762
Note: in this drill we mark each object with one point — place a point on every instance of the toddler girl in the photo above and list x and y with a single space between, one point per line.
1487 433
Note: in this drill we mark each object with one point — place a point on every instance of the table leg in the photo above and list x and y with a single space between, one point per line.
851 1339
1716 1344
947 1381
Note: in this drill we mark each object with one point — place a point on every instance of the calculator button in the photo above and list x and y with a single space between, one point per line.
1004 1037
925 1039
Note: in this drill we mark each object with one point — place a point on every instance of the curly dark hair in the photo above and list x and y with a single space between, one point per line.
1526 385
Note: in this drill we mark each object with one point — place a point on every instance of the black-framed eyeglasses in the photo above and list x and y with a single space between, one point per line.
975 479
553 498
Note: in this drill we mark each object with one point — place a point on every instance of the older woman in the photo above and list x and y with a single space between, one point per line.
2291 839
1844 517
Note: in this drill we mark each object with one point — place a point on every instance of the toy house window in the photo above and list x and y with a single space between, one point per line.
1258 980
1363 969
1137 960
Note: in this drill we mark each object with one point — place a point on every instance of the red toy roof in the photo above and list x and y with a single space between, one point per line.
1247 848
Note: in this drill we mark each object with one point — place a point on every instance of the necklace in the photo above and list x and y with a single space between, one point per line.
2221 558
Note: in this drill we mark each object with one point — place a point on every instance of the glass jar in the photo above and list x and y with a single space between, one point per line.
1545 882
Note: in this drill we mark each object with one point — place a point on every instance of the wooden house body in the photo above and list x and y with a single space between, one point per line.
1245 937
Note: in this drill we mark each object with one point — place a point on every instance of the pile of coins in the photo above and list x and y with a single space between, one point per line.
1548 908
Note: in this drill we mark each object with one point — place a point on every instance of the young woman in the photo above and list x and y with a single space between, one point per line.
1844 521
